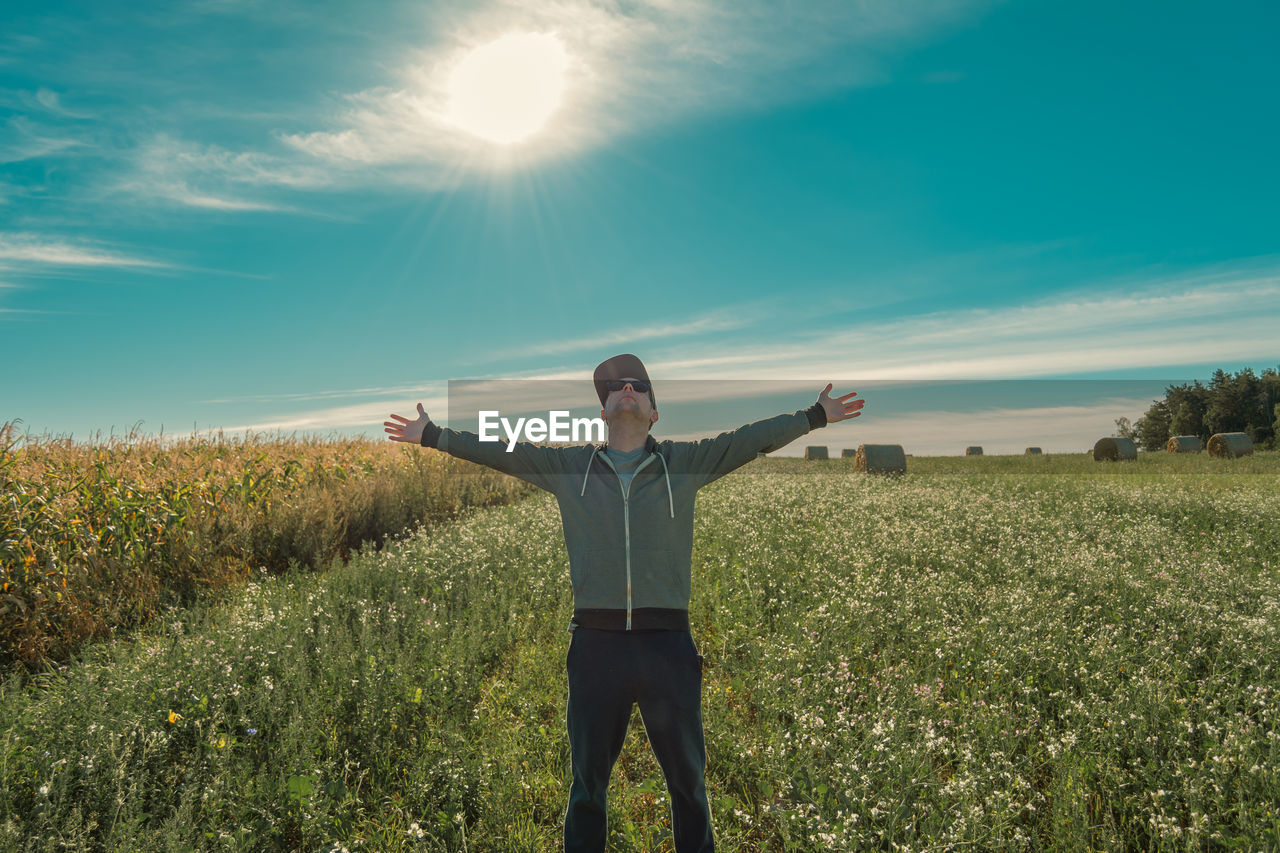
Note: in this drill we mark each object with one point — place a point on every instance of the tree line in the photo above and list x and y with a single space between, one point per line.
1244 402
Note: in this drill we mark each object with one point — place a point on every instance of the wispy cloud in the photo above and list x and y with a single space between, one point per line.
27 250
712 322
434 388
23 139
1184 320
183 194
1216 316
632 67
361 415
212 177
52 102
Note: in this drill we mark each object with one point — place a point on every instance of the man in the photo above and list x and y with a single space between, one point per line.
627 512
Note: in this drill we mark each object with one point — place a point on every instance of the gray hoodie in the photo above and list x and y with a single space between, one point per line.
630 548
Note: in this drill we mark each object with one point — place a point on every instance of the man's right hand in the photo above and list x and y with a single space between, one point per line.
403 429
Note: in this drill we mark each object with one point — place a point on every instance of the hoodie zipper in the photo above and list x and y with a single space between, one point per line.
626 518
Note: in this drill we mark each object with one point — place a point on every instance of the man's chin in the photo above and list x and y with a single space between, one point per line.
629 416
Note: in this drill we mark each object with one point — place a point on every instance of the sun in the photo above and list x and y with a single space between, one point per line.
506 90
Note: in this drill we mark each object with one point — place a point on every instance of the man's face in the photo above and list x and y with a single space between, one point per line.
629 403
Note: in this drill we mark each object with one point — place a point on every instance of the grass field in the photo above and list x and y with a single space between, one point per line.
995 653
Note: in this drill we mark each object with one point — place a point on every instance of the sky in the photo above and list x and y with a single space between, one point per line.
280 216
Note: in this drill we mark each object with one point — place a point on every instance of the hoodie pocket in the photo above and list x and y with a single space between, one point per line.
603 583
655 580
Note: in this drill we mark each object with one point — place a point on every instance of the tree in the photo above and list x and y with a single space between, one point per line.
1187 404
1153 428
1243 402
1230 405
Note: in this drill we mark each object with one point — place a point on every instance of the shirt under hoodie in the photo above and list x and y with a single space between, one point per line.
626 463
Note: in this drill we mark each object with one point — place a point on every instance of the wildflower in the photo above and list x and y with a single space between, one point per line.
174 716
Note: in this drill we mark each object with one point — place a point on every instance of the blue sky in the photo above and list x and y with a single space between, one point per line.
233 214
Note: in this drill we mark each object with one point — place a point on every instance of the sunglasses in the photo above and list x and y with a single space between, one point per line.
638 385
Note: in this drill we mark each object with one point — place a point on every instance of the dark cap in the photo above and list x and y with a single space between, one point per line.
625 366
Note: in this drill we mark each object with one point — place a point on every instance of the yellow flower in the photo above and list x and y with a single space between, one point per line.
174 716
222 741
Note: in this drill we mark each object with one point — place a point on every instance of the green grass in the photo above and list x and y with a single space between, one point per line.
988 653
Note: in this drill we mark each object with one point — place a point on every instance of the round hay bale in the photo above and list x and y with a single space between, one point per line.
880 459
1113 448
973 450
848 453
816 451
1184 444
1229 445
1034 451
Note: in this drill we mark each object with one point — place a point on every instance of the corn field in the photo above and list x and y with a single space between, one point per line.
94 538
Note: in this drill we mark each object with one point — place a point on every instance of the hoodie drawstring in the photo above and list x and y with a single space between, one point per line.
666 474
588 474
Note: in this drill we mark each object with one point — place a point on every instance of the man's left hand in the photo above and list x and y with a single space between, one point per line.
840 408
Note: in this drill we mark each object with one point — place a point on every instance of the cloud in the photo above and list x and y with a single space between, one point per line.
715 321
28 141
1218 317
27 250
183 194
433 388
52 101
363 415
633 67
1213 316
214 178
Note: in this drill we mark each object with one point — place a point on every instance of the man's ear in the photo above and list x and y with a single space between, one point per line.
653 417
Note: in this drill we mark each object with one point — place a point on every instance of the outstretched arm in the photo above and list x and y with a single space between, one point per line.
712 458
534 463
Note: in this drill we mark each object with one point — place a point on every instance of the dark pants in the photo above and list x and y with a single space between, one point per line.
662 672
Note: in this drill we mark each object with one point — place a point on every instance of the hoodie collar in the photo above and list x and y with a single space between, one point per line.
650 445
